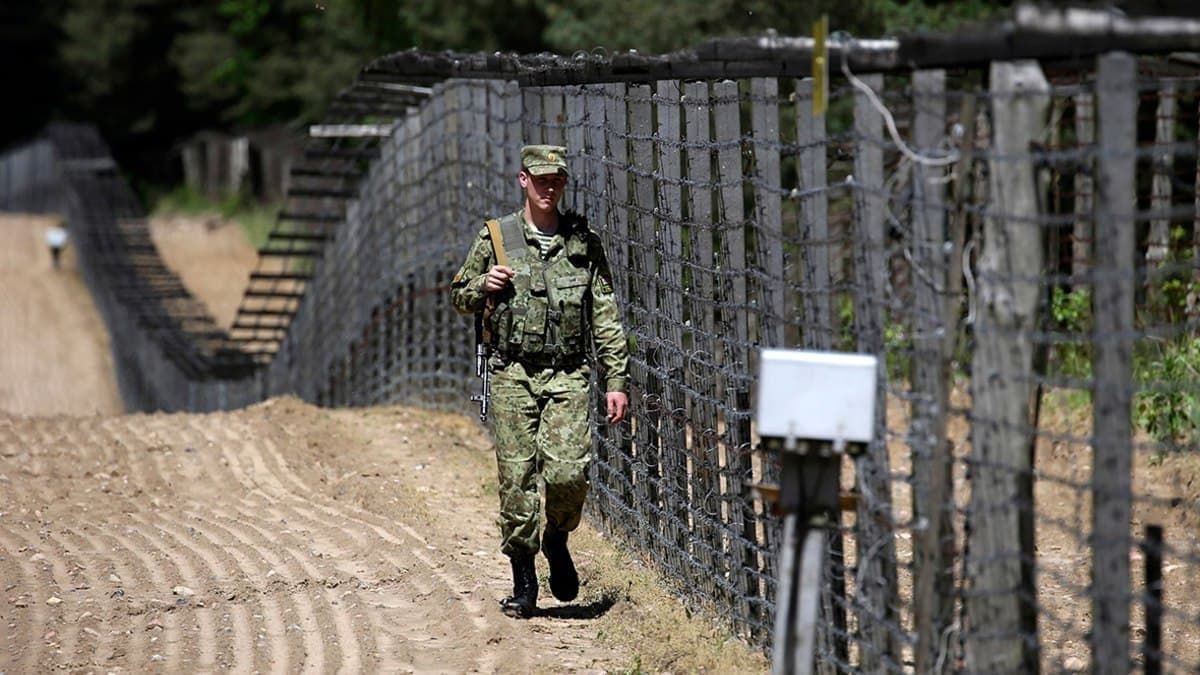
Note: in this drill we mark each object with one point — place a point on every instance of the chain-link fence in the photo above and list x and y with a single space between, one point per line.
1018 243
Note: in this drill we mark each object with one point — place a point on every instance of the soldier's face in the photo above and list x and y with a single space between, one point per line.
543 192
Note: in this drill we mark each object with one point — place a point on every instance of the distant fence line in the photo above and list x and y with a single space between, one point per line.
167 351
1023 253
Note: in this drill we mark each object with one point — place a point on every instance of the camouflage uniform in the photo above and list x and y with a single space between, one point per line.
542 328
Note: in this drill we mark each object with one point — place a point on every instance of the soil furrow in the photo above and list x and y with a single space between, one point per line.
98 618
276 647
282 565
198 577
235 648
45 601
153 595
126 568
25 608
70 577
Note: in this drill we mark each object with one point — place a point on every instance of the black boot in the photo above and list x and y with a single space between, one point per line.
523 602
564 581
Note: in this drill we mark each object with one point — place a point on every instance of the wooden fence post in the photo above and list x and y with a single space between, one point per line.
644 367
1082 234
734 355
768 212
1158 240
817 330
616 234
1112 361
706 468
997 637
876 601
816 249
933 547
670 234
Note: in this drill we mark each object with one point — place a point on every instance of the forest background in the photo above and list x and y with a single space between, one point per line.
151 73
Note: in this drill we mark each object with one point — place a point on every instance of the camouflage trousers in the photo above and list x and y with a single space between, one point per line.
540 419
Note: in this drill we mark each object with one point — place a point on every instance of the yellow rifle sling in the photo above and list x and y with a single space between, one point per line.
493 227
497 242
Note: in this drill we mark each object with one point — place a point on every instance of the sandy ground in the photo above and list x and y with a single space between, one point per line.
54 354
211 256
280 538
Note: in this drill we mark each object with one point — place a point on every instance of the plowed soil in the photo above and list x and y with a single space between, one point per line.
285 538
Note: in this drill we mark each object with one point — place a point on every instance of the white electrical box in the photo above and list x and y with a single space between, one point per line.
816 396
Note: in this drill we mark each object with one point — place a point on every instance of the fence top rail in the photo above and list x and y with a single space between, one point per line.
1046 34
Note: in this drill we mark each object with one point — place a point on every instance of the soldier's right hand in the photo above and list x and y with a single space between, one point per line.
497 278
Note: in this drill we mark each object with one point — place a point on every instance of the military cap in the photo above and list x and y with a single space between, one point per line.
543 159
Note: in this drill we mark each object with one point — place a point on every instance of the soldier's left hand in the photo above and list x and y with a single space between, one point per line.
618 406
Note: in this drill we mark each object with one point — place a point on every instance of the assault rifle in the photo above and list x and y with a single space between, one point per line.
484 397
482 337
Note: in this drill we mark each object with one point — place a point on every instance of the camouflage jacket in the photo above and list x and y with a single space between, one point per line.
575 265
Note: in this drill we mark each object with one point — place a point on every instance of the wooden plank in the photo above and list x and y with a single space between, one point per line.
742 524
933 592
1158 241
1002 380
768 213
645 367
705 460
616 246
596 177
772 290
815 248
514 138
1081 235
1112 389
553 116
499 175
532 128
876 599
670 230
1193 296
817 319
575 138
479 143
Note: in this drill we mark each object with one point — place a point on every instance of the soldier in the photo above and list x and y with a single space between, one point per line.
56 239
545 310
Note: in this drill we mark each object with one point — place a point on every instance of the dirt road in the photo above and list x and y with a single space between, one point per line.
279 538
54 354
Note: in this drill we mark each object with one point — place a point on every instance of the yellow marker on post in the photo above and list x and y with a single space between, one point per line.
820 67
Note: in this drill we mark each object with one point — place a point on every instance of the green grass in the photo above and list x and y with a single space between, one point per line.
255 218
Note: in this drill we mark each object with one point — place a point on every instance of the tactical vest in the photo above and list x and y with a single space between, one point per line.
544 316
